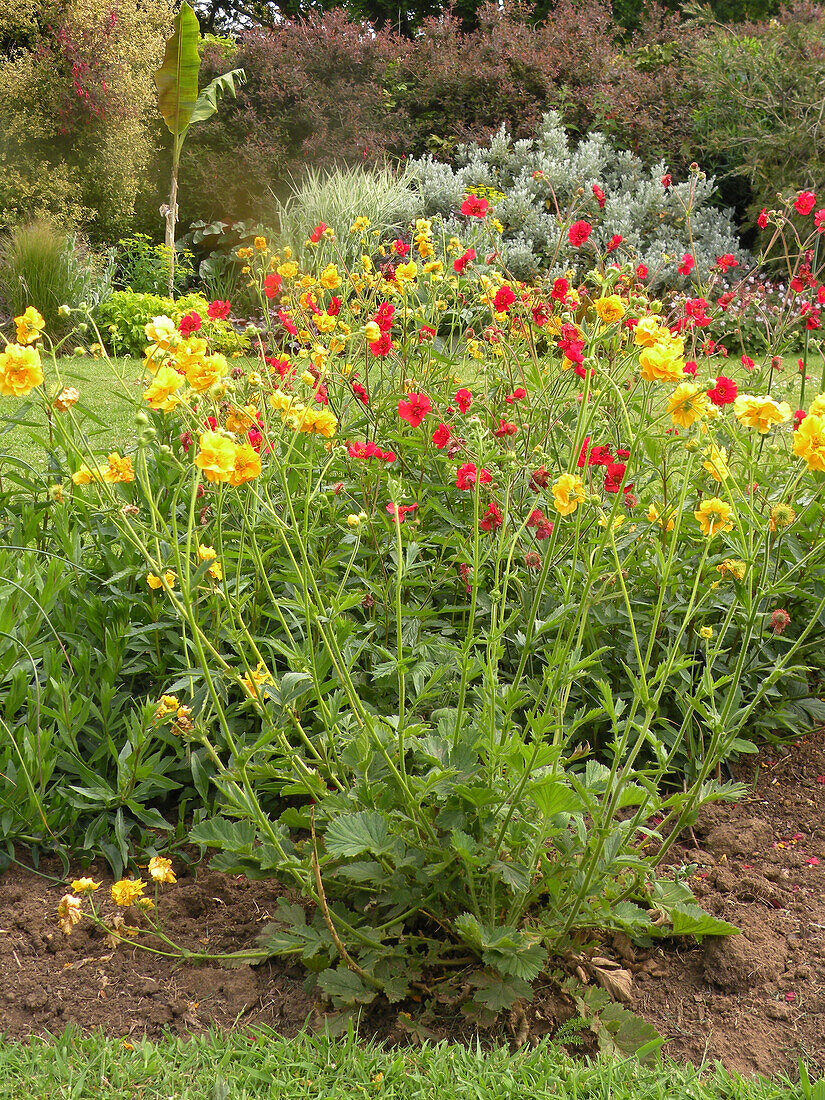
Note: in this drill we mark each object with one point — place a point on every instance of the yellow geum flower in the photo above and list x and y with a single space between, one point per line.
127 891
208 553
216 456
661 362
85 886
782 516
686 404
253 679
20 370
809 441
736 568
706 632
86 474
610 309
259 244
817 406
202 374
329 277
118 470
761 413
648 331
288 270
654 517
713 516
716 462
163 332
568 493
160 869
372 332
161 394
360 224
29 326
247 465
67 397
69 912
325 323
406 273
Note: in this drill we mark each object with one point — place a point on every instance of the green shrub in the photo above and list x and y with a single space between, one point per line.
144 267
123 317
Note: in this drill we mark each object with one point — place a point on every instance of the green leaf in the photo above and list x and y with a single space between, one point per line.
691 920
231 836
207 102
365 831
498 994
177 79
552 797
345 987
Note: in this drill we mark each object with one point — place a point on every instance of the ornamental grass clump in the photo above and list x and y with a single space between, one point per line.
477 581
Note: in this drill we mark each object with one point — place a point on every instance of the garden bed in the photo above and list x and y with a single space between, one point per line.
756 1002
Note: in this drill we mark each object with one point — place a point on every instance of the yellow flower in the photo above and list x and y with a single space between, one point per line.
216 457
85 885
161 394
329 277
259 244
160 870
119 469
324 323
654 517
648 331
85 475
615 525
163 332
686 404
67 397
736 568
127 891
253 679
406 273
568 494
610 309
154 581
288 270
761 412
189 352
247 465
717 462
359 225
29 326
817 406
319 422
661 363
782 516
372 332
208 553
809 441
202 374
20 370
706 632
713 516
69 912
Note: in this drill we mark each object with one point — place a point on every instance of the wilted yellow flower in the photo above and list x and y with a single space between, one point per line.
716 462
67 397
161 394
809 441
160 870
208 553
85 886
686 404
29 326
761 412
20 370
119 469
568 494
69 912
253 679
168 705
127 891
610 309
713 516
216 456
615 525
782 516
736 568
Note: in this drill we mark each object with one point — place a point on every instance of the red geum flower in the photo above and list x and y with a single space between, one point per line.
614 242
541 314
383 318
593 456
726 261
218 311
780 619
400 248
442 436
474 207
461 262
189 323
762 220
361 393
463 399
504 429
747 362
539 479
469 475
287 322
819 220
820 295
334 307
317 233
578 233
518 394
272 284
687 265
415 408
805 202
696 310
667 180
492 518
571 344
600 199
641 272
425 334
383 346
186 441
798 417
399 511
532 560
689 367
504 299
724 392
560 290
613 477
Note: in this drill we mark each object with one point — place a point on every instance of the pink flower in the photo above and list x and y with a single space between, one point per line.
780 619
218 311
415 408
399 511
805 203
189 323
474 207
578 233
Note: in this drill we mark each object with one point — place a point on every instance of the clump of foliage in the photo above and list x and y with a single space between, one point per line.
122 319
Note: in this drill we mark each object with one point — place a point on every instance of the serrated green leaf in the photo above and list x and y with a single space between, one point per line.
691 920
353 834
345 987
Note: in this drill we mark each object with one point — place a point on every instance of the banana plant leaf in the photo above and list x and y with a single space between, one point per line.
177 79
207 102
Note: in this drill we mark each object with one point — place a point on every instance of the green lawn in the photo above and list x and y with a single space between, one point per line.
242 1066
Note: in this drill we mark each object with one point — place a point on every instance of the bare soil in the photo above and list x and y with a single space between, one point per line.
755 1001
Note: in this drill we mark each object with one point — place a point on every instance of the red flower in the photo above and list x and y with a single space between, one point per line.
819 220
571 344
463 260
805 202
518 394
255 438
726 261
798 417
541 314
399 511
415 408
468 475
747 362
369 450
593 456
696 309
504 299
614 242
667 180
578 233
317 233
560 289
189 323
539 479
762 220
689 367
780 619
334 307
641 272
361 393
442 436
492 518
724 392
384 316
382 347
400 248
474 207
218 311
820 294
532 560
687 265
600 199
614 475
425 334
272 285
286 321
505 429
463 399
543 526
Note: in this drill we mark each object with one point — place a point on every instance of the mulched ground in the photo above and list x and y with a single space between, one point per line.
756 1001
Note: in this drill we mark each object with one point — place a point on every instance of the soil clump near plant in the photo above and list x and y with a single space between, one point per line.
755 1001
